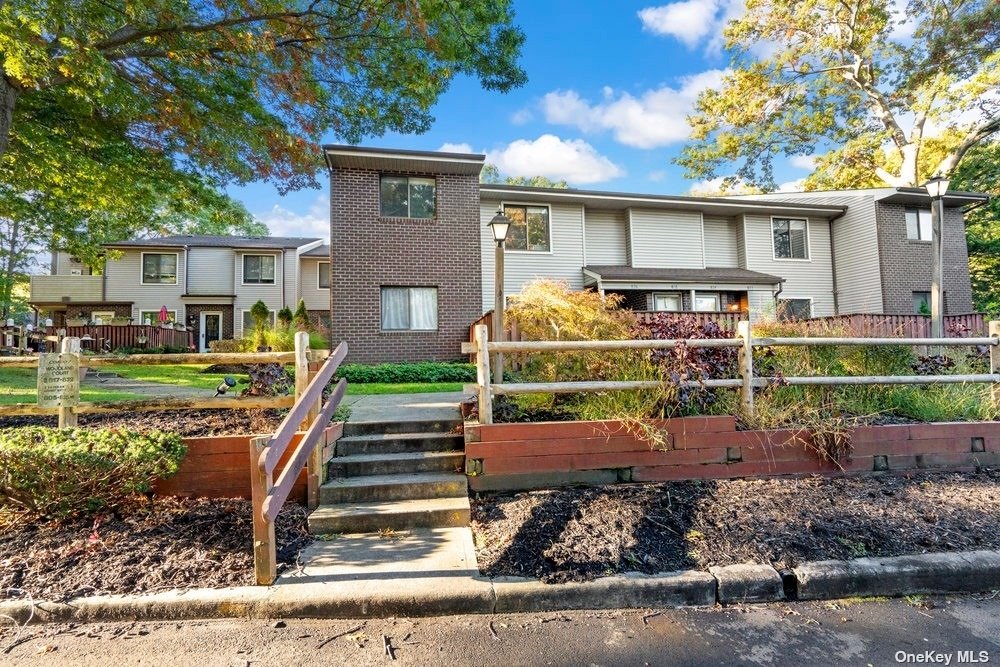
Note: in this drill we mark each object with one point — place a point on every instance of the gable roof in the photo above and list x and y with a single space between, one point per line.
707 275
209 241
318 251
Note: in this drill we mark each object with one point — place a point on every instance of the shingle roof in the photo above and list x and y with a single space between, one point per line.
206 241
318 251
712 275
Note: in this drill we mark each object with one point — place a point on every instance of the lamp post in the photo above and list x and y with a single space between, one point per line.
936 188
499 226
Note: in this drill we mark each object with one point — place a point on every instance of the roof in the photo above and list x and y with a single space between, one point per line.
621 200
707 275
391 159
207 241
318 251
907 195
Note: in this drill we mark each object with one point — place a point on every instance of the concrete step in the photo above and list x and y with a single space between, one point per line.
397 515
413 426
373 488
392 464
398 443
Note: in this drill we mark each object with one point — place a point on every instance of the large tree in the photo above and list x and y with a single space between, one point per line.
851 80
491 174
980 172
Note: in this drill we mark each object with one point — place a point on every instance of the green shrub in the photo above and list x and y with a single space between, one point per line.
424 371
52 473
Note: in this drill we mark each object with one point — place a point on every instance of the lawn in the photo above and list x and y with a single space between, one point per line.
405 388
179 375
17 385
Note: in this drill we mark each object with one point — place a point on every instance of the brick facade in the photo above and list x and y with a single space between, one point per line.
85 309
906 264
192 315
369 252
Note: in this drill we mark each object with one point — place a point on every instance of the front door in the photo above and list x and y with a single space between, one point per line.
211 329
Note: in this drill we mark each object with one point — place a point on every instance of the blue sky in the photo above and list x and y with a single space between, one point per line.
609 85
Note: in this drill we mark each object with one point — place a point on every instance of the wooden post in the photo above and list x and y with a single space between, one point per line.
302 370
68 418
483 375
264 552
994 330
302 378
746 364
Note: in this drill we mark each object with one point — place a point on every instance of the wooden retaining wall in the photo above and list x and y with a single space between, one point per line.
540 455
219 467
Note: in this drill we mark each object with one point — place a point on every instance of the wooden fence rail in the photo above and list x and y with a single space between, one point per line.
747 381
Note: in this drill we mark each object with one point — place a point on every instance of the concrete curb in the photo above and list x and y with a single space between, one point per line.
972 571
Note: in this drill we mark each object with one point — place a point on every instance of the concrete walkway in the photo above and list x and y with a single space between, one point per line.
112 382
405 407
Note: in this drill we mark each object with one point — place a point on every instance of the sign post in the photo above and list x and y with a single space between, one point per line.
59 381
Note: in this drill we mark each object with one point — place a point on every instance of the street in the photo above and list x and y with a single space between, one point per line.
955 630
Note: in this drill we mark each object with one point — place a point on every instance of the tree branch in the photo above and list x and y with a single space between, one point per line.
948 164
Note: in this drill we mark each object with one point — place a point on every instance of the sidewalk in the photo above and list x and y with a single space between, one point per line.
405 407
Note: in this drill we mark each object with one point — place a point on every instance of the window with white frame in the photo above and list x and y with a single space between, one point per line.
794 309
406 197
529 228
323 273
706 303
248 323
668 302
105 316
159 268
919 226
791 238
153 316
258 269
409 308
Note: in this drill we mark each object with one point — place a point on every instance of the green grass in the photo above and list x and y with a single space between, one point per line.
179 375
406 388
18 385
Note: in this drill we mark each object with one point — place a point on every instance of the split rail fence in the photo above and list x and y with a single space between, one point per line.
744 341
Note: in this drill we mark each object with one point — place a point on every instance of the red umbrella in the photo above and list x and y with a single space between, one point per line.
163 314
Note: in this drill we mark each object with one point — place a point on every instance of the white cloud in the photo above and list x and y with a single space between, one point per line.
657 175
693 21
521 117
456 148
798 185
803 162
573 160
655 118
315 222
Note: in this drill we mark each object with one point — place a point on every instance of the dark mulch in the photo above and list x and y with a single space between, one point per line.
159 545
582 533
187 423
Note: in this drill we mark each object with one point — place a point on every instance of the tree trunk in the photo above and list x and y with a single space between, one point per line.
7 283
8 98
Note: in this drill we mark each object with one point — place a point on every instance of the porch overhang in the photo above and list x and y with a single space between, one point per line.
709 279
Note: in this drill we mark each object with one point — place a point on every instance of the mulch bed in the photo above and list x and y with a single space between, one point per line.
167 543
578 534
187 423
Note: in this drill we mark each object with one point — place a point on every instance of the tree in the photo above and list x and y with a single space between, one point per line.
840 78
301 317
980 172
491 174
20 245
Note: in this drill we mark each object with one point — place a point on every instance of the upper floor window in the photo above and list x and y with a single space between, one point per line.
407 197
918 224
791 238
258 269
529 228
323 271
159 268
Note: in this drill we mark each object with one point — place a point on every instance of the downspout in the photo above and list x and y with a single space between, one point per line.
833 270
186 272
283 304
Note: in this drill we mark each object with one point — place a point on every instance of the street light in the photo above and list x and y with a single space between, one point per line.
936 188
499 225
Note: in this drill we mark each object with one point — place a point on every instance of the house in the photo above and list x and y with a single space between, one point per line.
413 256
206 282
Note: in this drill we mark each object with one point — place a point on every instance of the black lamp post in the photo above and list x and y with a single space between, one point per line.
936 188
499 225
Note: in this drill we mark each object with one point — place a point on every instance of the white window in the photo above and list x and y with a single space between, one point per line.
529 228
323 272
159 268
918 224
409 308
153 316
105 316
258 269
791 238
669 302
706 303
794 309
248 320
406 197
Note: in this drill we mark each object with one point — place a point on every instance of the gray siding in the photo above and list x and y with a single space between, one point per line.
309 291
563 262
607 239
248 295
665 239
720 243
63 265
804 279
211 271
124 282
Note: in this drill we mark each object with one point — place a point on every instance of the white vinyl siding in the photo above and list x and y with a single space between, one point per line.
666 239
804 279
563 262
720 243
64 265
248 294
607 239
314 297
123 276
210 271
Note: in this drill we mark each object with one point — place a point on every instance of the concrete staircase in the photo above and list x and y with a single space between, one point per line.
394 475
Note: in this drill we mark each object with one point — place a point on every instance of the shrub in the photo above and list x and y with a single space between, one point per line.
229 345
424 371
53 473
301 317
285 317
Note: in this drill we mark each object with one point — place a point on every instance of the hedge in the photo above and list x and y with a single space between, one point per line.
424 371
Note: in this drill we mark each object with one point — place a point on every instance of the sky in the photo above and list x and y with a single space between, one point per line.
609 86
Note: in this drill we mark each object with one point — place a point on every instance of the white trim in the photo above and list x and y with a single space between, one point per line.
203 342
404 156
583 230
704 263
551 250
774 256
329 275
142 269
243 269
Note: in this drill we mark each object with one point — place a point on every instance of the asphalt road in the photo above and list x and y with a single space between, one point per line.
805 633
